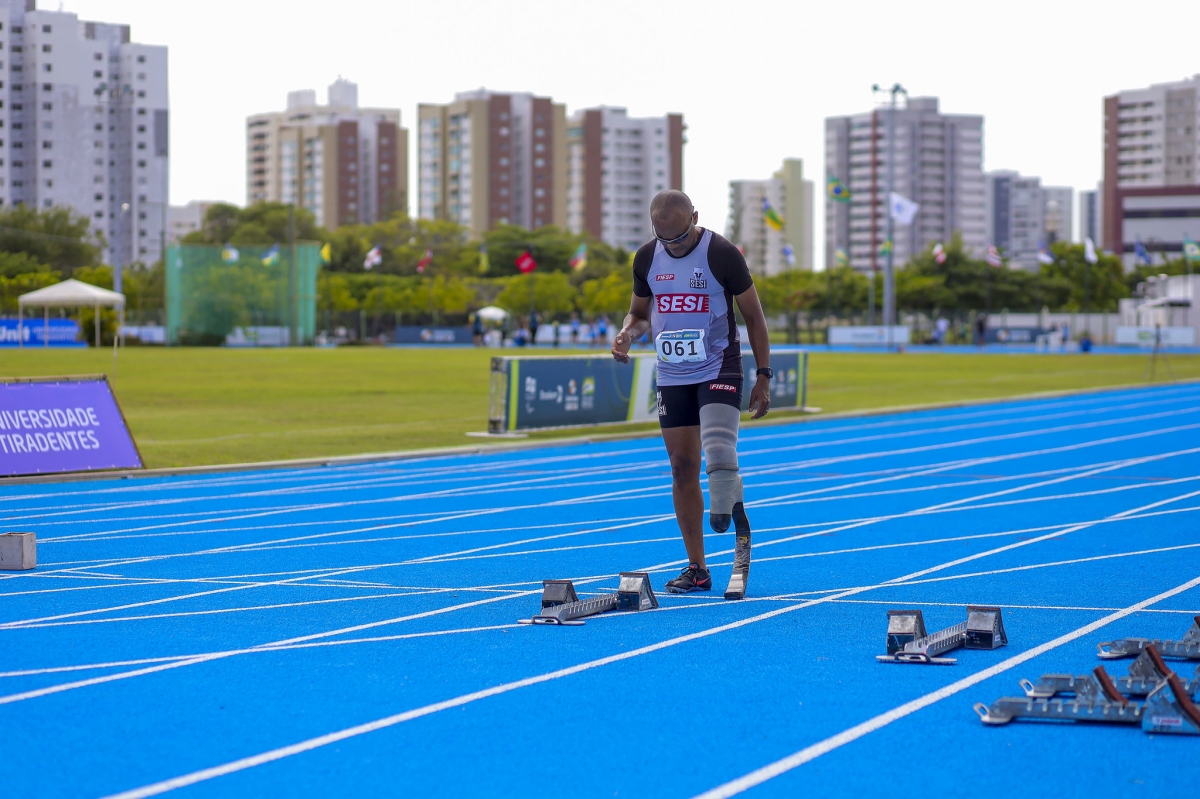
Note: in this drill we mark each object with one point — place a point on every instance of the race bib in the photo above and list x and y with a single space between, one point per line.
681 346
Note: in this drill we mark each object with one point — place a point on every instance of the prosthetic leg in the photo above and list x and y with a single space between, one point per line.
718 436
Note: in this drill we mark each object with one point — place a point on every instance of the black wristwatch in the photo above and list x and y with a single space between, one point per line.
766 372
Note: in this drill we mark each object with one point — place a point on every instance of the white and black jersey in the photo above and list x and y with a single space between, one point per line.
692 322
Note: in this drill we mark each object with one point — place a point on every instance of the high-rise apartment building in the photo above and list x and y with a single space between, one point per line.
938 163
185 219
1152 159
1021 214
84 124
616 164
491 158
345 164
769 251
1091 215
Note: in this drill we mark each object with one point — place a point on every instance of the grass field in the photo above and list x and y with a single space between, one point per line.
208 406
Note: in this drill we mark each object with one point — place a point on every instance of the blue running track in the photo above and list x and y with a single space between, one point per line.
351 630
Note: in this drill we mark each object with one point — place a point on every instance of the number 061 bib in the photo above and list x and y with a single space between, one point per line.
680 346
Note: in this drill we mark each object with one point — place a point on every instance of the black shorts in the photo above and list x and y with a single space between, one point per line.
679 406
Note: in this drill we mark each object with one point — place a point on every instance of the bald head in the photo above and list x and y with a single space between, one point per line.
670 212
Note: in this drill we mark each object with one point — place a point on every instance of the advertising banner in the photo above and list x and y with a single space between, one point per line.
1013 335
415 334
868 336
579 390
1144 336
58 425
33 333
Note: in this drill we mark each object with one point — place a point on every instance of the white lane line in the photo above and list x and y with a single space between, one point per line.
280 753
810 753
1005 605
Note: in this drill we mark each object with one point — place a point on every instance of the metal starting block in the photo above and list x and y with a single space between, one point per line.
562 606
907 641
1145 674
1188 647
1096 699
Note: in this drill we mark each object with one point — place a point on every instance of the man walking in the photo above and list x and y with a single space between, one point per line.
685 283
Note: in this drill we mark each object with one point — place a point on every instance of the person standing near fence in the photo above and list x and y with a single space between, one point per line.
685 283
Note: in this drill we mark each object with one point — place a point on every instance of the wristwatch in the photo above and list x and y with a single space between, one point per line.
766 372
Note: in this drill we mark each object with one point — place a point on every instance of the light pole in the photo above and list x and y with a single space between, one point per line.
889 278
119 261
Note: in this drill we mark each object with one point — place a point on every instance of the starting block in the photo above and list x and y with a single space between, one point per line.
18 551
1096 699
562 606
1188 647
907 641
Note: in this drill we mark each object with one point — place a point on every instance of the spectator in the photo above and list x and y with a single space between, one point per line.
477 329
533 328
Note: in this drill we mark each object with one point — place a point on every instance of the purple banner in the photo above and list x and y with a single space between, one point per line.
62 425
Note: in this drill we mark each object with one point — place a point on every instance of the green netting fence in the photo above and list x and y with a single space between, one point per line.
242 295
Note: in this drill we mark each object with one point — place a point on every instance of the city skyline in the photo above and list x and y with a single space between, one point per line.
758 98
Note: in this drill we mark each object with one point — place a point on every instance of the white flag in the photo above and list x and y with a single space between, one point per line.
902 209
374 258
1089 251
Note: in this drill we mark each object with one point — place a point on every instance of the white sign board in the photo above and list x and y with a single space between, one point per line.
1144 336
868 336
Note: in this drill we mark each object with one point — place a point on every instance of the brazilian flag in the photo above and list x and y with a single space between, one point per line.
840 258
771 216
837 191
885 248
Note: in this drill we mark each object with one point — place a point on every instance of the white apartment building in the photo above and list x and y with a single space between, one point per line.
1091 215
1021 214
492 158
1151 153
185 219
343 163
84 124
616 164
791 196
938 163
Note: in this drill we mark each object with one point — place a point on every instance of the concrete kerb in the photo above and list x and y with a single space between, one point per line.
790 416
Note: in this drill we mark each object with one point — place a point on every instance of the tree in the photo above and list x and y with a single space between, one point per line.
1093 287
548 294
259 224
57 238
790 293
609 295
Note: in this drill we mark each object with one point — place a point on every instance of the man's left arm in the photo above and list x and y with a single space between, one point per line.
760 344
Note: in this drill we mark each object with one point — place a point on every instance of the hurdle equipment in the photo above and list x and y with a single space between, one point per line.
1188 647
1097 700
18 551
907 641
561 606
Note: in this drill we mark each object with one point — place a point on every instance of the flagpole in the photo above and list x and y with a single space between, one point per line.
889 278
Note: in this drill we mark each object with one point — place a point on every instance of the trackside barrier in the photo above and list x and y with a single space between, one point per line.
538 393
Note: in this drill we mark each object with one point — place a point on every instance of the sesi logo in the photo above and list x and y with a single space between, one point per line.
681 303
665 277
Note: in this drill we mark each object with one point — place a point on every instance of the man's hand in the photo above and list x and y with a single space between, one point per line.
621 345
760 397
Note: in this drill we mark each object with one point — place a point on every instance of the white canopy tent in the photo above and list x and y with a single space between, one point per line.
67 294
490 313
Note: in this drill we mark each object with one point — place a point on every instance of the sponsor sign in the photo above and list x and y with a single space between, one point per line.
59 425
33 333
868 336
1144 336
415 334
1013 335
681 303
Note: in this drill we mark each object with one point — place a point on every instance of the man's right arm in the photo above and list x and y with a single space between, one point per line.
637 322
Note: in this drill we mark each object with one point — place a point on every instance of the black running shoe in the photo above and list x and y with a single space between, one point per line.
693 578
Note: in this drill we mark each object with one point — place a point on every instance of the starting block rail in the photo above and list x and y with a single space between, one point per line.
561 605
907 641
1187 647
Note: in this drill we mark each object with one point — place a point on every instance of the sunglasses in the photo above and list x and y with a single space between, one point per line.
687 232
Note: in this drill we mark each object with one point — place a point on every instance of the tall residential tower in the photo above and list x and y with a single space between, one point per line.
769 251
938 163
345 164
84 124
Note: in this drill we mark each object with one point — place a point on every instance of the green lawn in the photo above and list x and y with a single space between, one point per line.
205 406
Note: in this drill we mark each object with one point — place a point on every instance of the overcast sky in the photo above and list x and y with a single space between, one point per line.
754 80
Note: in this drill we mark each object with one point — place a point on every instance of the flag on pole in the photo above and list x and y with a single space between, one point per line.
327 254
579 259
939 253
1191 250
902 209
271 256
885 249
425 261
1139 251
229 254
771 216
632 255
484 263
840 258
1089 251
993 257
525 263
1044 254
789 255
374 258
837 191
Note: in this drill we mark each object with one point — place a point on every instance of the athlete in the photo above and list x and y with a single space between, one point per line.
684 286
